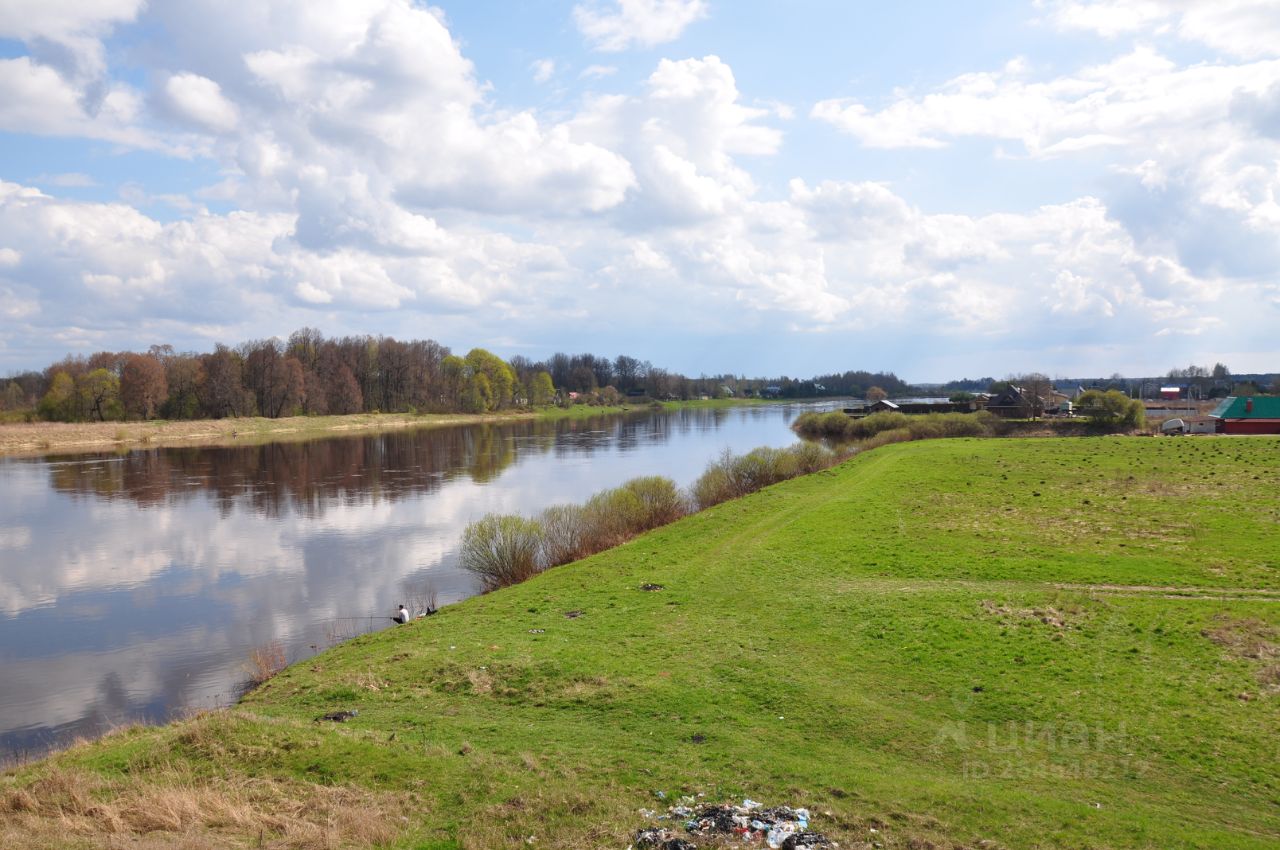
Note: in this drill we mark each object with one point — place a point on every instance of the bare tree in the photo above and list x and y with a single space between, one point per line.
223 393
143 386
345 396
1037 390
315 397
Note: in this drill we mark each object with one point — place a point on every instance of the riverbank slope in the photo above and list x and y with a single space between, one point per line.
972 643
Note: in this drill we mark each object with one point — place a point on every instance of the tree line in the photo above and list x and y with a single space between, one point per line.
310 374
307 374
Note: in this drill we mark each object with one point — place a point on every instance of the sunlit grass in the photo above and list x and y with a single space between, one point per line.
1033 643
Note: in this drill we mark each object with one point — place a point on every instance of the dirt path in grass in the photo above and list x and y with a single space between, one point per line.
1207 592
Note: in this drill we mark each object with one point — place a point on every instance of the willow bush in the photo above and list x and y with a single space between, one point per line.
732 476
564 535
502 549
505 549
660 501
840 427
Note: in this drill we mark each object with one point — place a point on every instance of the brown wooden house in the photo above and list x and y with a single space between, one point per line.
1015 403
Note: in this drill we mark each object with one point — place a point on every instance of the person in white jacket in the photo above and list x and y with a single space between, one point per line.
402 616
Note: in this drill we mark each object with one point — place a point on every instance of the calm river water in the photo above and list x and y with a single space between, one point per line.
135 586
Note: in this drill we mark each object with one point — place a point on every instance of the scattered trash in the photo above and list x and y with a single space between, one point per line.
661 839
338 716
573 615
780 827
651 587
537 631
806 840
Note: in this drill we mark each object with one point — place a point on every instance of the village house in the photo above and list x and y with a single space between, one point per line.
1014 403
1248 415
915 406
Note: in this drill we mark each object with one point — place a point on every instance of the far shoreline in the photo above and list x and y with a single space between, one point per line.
34 439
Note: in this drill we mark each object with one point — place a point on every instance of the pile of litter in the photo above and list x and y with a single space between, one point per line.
780 827
339 716
660 838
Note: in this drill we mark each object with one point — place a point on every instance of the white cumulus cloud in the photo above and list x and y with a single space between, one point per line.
1245 28
543 70
199 101
622 24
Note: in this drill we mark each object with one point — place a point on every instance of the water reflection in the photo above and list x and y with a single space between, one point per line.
135 585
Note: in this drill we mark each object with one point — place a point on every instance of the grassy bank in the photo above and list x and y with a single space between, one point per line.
585 411
947 643
891 427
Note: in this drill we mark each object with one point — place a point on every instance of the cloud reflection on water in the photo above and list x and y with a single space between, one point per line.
135 585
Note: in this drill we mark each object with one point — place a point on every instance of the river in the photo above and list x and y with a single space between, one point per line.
133 587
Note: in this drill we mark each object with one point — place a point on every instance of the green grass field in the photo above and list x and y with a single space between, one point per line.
1013 643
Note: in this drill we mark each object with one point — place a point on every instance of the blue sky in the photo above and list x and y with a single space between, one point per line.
1071 186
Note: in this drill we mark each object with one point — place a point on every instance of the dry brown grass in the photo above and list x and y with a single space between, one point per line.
1244 638
52 437
1250 639
1064 617
481 681
367 681
266 661
607 822
170 808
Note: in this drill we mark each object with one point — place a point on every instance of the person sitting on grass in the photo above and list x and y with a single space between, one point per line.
402 616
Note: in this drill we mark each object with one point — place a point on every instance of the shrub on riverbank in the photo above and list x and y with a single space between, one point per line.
840 427
732 476
611 517
660 501
504 550
564 534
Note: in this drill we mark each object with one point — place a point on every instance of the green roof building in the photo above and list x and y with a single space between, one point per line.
1255 414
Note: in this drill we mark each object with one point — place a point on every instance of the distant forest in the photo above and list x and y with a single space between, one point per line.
309 374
